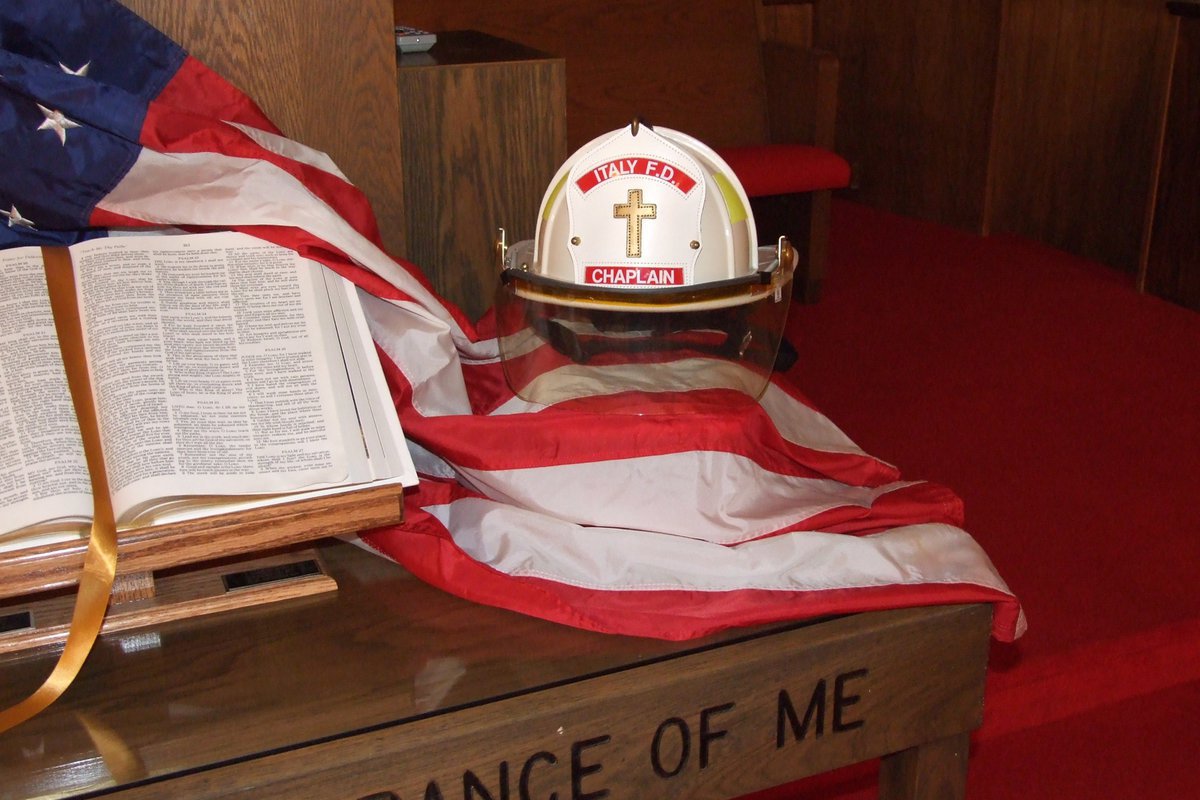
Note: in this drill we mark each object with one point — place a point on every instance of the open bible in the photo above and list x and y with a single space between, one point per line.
227 374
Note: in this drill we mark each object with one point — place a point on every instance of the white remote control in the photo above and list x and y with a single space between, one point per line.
414 40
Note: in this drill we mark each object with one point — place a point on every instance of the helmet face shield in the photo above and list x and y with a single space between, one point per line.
560 342
644 277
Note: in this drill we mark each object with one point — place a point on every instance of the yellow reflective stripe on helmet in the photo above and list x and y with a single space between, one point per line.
548 204
733 201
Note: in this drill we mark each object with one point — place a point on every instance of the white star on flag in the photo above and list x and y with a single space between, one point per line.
55 121
15 218
81 72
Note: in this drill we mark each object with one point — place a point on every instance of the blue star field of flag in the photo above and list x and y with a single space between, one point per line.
72 105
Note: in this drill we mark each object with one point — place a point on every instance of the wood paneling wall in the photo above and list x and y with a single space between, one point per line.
1078 105
1036 117
692 65
915 103
339 100
1172 260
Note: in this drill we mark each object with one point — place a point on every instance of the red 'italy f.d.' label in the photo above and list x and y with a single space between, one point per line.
649 167
633 276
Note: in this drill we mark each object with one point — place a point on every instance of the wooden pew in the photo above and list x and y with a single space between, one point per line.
733 73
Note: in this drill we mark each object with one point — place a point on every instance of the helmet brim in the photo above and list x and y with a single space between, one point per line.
562 342
773 278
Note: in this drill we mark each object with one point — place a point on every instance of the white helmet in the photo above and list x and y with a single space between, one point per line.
644 276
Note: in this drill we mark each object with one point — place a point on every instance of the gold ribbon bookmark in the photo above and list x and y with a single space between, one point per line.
100 561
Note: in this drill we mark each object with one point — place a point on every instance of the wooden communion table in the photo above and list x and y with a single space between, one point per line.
388 688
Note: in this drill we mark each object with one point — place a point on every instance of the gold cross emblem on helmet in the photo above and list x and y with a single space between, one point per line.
634 212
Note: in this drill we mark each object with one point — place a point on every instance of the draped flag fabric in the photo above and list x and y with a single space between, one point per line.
669 525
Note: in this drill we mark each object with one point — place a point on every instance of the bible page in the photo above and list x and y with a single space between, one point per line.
387 452
210 369
45 490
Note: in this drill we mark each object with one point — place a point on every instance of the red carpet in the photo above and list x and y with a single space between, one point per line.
1064 408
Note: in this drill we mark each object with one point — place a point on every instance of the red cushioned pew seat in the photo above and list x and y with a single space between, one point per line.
772 169
790 186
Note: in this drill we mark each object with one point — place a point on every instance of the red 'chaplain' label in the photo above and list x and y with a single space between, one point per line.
633 276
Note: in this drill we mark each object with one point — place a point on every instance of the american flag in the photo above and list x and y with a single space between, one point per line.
665 525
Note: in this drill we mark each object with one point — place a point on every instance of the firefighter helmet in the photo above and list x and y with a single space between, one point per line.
644 276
